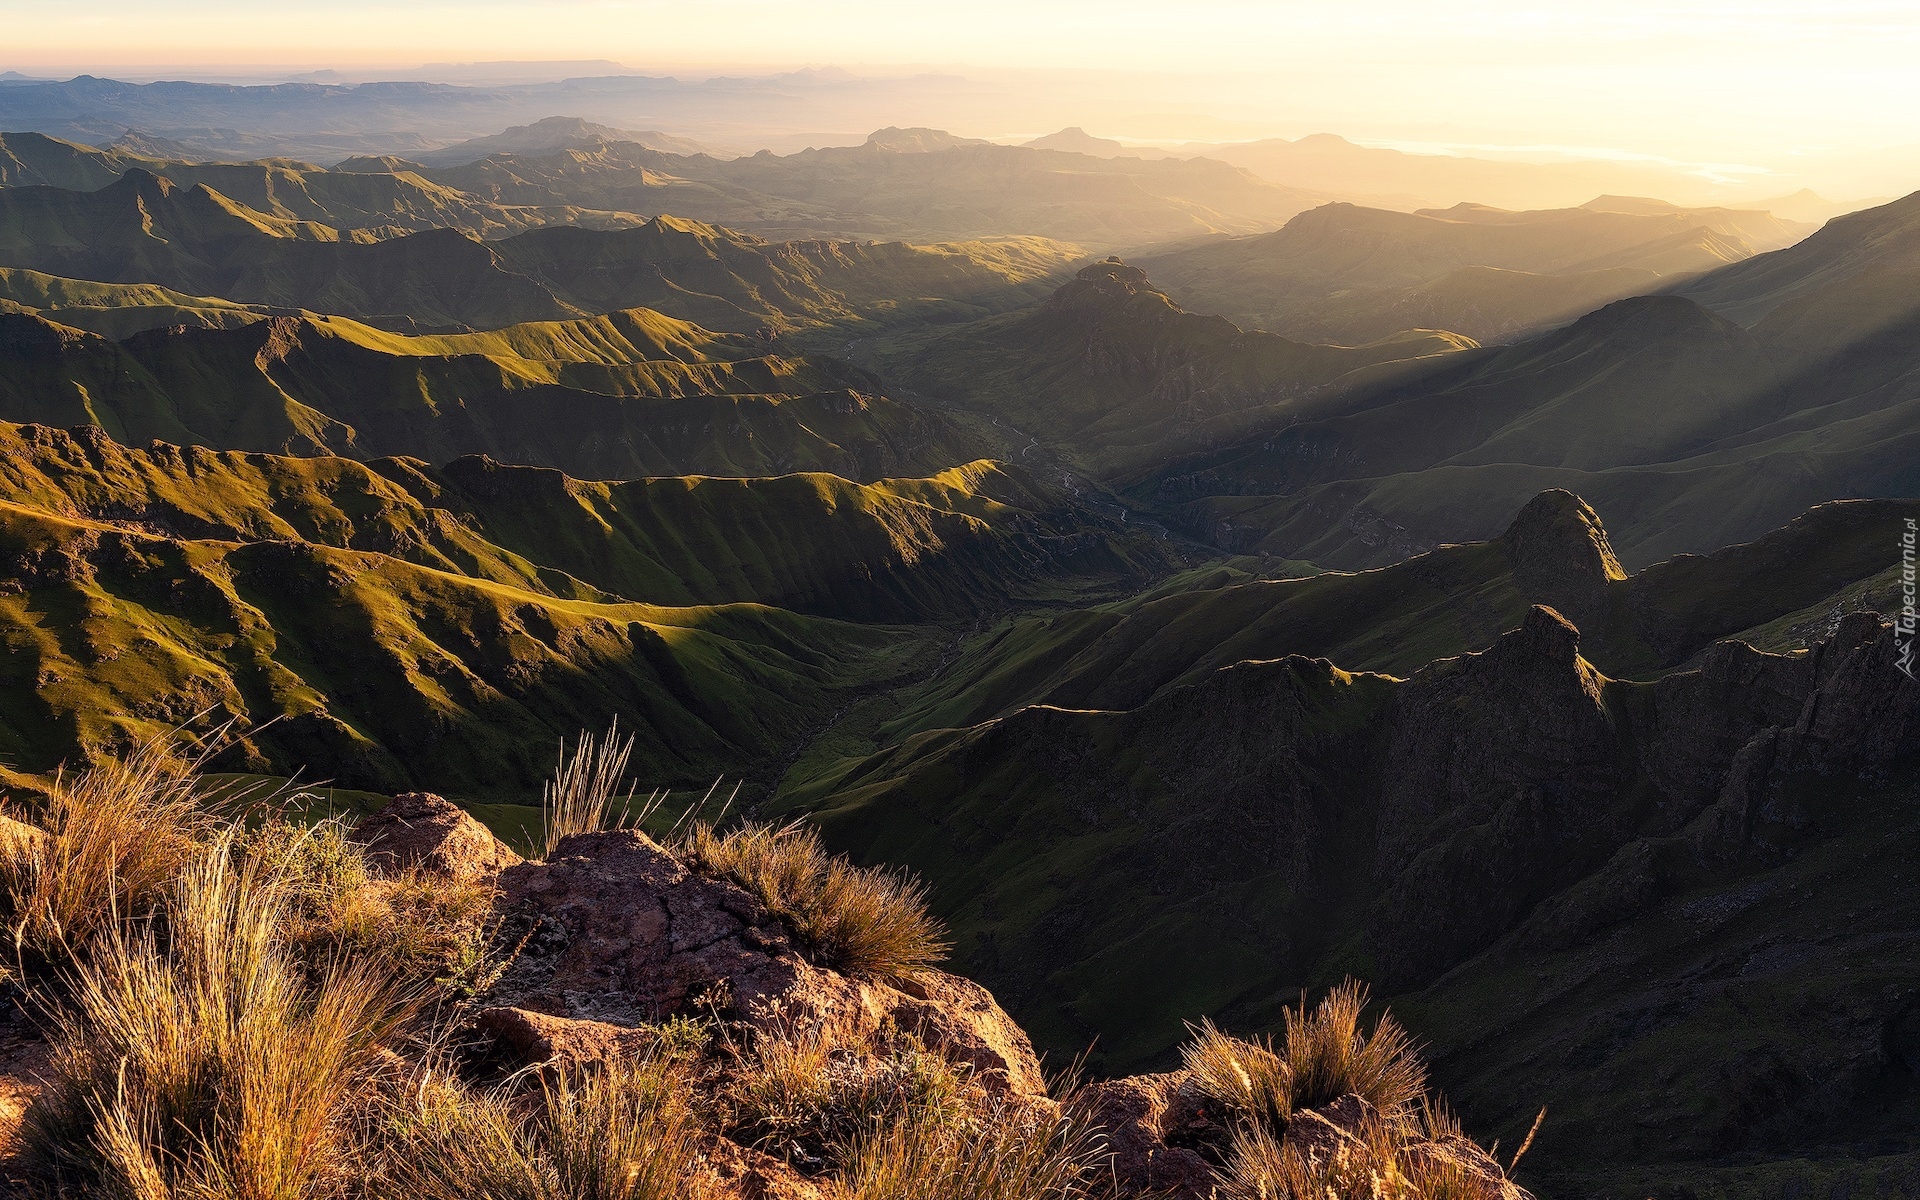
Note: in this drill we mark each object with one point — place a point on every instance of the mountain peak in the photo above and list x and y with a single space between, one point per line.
1560 553
918 140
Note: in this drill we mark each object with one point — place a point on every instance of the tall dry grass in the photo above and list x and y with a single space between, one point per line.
195 1056
113 839
858 920
1323 1055
623 1132
1329 1056
580 796
1245 1075
1010 1153
802 1094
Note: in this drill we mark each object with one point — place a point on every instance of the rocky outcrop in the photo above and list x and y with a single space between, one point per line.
422 831
612 933
1168 1140
1561 556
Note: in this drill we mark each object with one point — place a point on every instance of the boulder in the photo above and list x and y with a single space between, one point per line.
19 839
1142 1116
538 1038
612 928
419 830
962 1020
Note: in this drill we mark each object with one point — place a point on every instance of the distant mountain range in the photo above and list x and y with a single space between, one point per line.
1687 429
1345 274
148 229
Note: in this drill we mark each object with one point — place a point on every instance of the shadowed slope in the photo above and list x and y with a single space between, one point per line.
1450 601
1465 835
1119 377
1686 430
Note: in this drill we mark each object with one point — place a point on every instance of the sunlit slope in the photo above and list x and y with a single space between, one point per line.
1346 274
1117 376
385 675
966 541
386 202
146 228
622 395
729 280
116 310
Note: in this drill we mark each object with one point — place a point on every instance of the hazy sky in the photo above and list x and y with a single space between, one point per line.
1700 81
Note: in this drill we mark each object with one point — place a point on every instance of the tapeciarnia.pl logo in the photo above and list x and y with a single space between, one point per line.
1904 624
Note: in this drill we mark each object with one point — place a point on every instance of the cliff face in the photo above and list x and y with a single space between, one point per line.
1457 836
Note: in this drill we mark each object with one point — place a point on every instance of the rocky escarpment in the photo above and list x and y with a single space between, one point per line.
1459 836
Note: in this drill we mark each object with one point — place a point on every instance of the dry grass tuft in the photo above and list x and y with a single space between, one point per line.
1368 1167
579 798
1330 1057
115 838
1246 1076
196 1057
623 1132
1009 1153
804 1096
417 925
859 920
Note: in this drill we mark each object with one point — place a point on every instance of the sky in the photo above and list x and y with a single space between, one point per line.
1696 81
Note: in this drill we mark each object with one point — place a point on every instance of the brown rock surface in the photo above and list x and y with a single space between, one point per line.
1139 1115
422 830
735 1172
534 1037
614 929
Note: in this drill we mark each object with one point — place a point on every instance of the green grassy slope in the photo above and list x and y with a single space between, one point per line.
385 675
967 541
626 394
1346 274
1117 377
391 625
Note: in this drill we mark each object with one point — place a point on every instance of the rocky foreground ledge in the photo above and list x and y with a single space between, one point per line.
613 934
